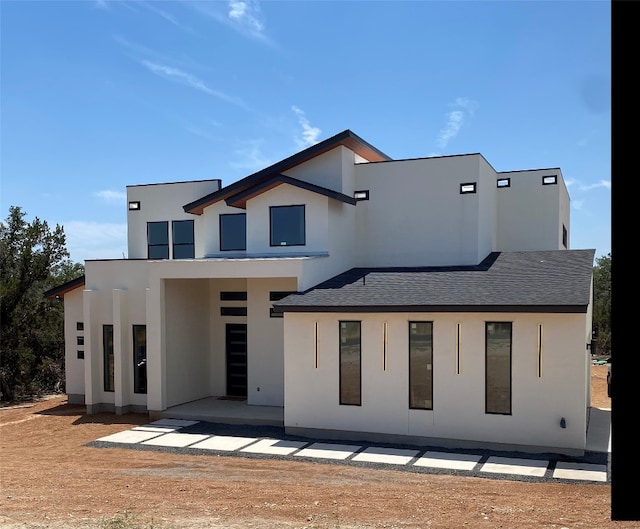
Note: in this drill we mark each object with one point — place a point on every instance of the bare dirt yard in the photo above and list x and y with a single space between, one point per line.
49 479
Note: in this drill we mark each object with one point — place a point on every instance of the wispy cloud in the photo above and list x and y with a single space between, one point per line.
204 131
464 108
111 197
101 4
95 240
164 14
309 134
251 157
244 16
187 79
602 183
577 204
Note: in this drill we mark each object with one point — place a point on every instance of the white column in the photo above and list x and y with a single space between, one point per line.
156 346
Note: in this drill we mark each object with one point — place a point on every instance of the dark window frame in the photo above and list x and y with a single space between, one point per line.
464 191
361 191
220 222
108 378
156 245
233 295
182 245
277 295
80 355
507 184
413 407
139 362
340 381
551 183
486 368
79 340
565 236
304 225
274 314
79 326
233 311
134 205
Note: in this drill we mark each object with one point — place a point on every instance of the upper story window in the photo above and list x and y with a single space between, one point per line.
158 240
549 180
287 227
233 231
469 187
504 182
183 241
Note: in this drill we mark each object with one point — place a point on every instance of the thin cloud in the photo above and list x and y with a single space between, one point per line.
464 109
602 183
101 4
309 134
577 204
184 78
111 197
165 15
95 240
251 157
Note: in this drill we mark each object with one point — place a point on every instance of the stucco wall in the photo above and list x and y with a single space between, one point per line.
210 229
529 212
73 366
163 202
415 215
538 403
487 209
324 170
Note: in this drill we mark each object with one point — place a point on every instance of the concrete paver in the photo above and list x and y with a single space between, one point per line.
129 437
448 460
274 447
328 451
519 466
225 443
585 471
391 456
179 440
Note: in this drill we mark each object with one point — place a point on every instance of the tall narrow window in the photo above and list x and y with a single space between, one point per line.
233 232
539 359
458 345
109 362
350 374
421 365
183 240
139 358
158 240
565 237
498 367
287 226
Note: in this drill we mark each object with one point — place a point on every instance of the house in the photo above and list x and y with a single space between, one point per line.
427 300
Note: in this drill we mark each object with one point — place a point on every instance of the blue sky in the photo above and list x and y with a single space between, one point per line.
98 95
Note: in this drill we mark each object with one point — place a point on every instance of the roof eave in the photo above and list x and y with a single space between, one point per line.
532 309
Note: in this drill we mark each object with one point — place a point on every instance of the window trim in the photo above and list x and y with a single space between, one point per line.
565 236
304 225
506 180
79 340
108 383
135 361
174 244
233 295
471 191
244 249
274 314
149 246
79 326
364 194
409 362
80 355
359 403
486 371
233 311
553 180
134 205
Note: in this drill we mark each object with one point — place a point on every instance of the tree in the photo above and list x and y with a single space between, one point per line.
602 303
33 259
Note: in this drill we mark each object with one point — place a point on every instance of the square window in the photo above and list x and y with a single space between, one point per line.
504 182
549 180
287 225
233 232
79 326
469 187
80 355
80 340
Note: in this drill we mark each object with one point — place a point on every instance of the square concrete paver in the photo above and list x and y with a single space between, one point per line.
328 451
129 437
224 442
180 423
274 447
518 466
585 471
391 456
448 461
179 440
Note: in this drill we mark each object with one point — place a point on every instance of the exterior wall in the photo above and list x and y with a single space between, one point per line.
529 213
487 205
187 331
324 170
316 221
210 229
415 215
538 403
73 366
160 202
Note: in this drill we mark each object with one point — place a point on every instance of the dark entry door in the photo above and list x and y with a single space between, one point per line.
237 359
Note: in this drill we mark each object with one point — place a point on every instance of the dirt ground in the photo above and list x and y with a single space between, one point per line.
49 479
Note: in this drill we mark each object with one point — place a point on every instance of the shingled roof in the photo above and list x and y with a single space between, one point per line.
535 281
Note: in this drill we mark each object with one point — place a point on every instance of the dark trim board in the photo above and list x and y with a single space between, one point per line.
533 309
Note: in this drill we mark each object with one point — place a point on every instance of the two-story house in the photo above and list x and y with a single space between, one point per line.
427 300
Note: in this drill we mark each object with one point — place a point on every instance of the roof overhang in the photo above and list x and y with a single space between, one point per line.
531 309
61 290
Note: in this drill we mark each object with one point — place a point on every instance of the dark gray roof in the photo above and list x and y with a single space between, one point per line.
534 281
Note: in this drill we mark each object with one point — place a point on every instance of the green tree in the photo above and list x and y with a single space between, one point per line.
33 259
602 303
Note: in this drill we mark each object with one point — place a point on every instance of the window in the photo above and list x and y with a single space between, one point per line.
350 370
277 296
139 358
233 296
549 180
467 188
233 311
183 242
274 314
79 326
233 232
287 225
80 340
421 365
361 195
158 240
109 362
504 182
565 236
498 367
80 355
134 205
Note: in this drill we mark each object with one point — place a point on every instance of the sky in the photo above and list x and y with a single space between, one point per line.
98 95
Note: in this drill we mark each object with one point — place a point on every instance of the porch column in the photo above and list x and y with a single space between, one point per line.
156 346
122 368
92 352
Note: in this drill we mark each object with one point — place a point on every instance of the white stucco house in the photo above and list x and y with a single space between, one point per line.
426 300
